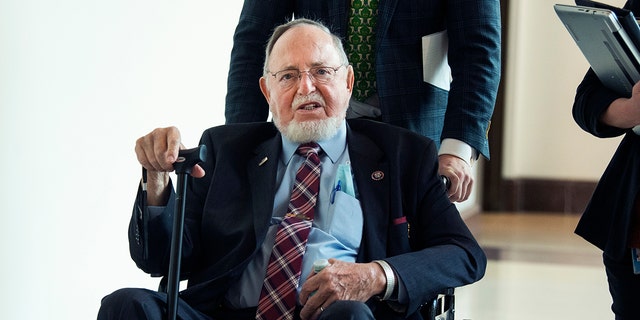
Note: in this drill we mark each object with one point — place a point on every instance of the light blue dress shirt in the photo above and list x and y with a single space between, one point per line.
337 226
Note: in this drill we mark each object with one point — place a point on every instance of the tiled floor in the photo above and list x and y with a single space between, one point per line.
538 269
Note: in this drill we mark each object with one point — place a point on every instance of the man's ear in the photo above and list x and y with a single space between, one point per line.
264 89
350 78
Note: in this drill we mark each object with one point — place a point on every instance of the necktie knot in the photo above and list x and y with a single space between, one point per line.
306 148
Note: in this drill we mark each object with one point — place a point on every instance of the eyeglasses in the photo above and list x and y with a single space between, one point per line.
288 77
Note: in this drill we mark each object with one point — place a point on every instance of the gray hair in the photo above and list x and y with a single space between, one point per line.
281 29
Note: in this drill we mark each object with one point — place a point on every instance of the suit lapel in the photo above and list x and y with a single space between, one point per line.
261 171
370 171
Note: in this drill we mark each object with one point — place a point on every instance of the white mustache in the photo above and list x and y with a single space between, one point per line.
311 98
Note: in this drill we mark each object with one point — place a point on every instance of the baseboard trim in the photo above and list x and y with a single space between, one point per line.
541 195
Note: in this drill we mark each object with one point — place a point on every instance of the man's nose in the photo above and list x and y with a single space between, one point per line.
306 83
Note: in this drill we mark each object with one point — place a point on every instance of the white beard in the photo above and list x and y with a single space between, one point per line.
318 130
306 131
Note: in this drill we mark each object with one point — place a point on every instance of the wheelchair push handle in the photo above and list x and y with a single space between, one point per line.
446 182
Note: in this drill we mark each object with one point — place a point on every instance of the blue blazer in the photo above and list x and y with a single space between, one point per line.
608 216
474 30
408 219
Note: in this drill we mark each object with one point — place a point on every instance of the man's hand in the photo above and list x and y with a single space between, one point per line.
459 173
340 281
156 152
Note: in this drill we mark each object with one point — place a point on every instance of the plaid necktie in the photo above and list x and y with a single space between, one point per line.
361 40
278 296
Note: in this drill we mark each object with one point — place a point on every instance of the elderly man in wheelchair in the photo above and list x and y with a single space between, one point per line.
272 198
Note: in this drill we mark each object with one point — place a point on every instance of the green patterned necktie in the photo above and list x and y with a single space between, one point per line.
361 39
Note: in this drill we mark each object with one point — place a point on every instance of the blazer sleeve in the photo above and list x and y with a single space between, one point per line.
474 30
149 235
591 101
244 100
150 232
444 251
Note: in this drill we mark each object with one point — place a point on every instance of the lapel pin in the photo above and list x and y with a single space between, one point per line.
263 161
377 175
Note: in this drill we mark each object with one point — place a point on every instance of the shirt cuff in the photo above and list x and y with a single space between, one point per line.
459 149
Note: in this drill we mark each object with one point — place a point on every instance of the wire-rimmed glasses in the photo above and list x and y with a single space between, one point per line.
321 74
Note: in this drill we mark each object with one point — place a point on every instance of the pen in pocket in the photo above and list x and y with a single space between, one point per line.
336 189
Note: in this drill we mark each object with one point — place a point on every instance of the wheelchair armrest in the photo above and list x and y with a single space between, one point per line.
162 286
441 307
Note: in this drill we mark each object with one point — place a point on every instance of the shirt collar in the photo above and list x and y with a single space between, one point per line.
332 147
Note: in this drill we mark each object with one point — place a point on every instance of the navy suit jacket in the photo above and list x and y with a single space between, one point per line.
608 216
473 27
408 219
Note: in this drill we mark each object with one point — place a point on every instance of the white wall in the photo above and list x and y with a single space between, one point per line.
80 80
544 68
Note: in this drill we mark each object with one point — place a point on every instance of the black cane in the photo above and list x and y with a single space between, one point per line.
187 159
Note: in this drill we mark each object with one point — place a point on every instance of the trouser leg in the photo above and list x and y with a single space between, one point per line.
624 287
142 304
347 310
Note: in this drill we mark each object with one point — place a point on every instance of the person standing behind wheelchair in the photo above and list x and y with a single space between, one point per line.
384 42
